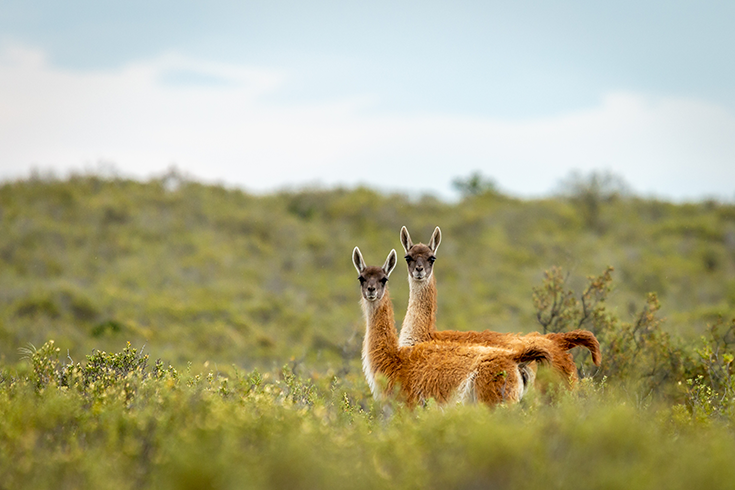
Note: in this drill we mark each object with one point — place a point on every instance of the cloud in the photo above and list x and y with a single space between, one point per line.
226 122
669 146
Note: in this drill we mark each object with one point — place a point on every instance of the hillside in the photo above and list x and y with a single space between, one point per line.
169 334
197 272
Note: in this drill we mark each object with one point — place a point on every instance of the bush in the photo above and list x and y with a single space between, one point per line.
637 352
282 430
711 386
103 374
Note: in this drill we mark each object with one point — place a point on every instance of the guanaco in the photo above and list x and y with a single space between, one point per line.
419 324
444 371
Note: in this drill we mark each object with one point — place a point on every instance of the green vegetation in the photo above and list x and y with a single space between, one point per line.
250 306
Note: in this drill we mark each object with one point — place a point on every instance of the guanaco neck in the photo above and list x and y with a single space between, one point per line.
419 324
380 345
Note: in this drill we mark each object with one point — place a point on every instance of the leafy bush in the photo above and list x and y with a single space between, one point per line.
638 351
281 430
103 375
711 387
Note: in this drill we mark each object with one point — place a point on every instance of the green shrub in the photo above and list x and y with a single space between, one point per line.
282 430
638 352
711 387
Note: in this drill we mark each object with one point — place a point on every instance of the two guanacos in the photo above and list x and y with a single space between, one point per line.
448 366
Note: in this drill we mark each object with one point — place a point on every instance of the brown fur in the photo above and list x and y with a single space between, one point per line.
419 325
441 370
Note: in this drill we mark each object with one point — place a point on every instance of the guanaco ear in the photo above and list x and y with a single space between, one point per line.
406 239
390 262
358 261
436 239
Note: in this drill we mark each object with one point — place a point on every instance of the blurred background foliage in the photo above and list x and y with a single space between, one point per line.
202 272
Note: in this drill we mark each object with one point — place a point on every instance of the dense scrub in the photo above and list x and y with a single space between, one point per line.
251 302
114 421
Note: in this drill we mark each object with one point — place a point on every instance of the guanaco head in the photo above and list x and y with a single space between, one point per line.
373 279
419 257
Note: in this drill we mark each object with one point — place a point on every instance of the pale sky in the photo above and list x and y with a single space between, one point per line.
395 95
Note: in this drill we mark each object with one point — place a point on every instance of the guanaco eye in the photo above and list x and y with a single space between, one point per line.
432 259
383 281
408 258
361 279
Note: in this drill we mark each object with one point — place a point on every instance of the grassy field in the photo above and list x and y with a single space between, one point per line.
169 334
